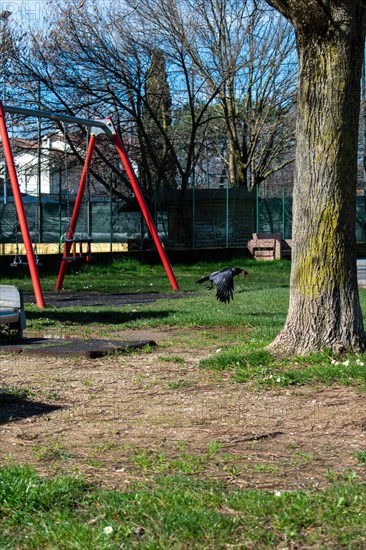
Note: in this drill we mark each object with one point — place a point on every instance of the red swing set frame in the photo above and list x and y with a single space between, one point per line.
98 126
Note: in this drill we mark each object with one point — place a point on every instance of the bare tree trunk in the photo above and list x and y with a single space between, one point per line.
324 310
237 169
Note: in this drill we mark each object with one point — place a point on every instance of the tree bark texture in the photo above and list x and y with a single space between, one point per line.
324 309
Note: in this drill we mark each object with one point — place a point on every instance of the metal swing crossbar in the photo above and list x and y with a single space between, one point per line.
98 126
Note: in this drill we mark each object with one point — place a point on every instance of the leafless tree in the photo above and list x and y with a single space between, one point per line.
244 55
92 62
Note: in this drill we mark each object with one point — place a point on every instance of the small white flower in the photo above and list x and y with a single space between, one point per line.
108 530
278 493
334 362
278 380
346 363
218 350
359 362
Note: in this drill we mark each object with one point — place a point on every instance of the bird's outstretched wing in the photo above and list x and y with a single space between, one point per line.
224 282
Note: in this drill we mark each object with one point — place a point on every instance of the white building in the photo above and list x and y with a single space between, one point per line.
43 170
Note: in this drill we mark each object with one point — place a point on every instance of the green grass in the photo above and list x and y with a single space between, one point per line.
256 304
261 369
13 395
134 276
184 462
173 509
242 328
174 512
361 456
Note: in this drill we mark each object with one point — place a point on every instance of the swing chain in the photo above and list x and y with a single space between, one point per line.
17 261
67 186
87 191
38 200
70 239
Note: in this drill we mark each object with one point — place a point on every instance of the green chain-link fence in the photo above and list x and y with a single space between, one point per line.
200 218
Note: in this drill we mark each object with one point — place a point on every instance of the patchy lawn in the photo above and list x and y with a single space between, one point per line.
134 416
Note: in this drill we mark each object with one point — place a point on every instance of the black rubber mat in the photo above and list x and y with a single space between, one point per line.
74 299
86 348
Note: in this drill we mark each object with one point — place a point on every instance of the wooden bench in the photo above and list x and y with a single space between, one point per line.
12 309
266 246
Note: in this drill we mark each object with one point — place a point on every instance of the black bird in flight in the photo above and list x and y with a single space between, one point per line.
223 280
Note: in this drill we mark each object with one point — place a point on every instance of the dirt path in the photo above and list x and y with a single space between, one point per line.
125 417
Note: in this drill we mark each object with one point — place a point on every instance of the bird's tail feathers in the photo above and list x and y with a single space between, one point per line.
203 279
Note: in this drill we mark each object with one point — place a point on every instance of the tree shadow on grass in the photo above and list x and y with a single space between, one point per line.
15 405
106 317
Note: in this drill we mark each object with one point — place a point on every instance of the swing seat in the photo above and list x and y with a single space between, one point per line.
77 255
23 263
78 240
20 263
72 258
